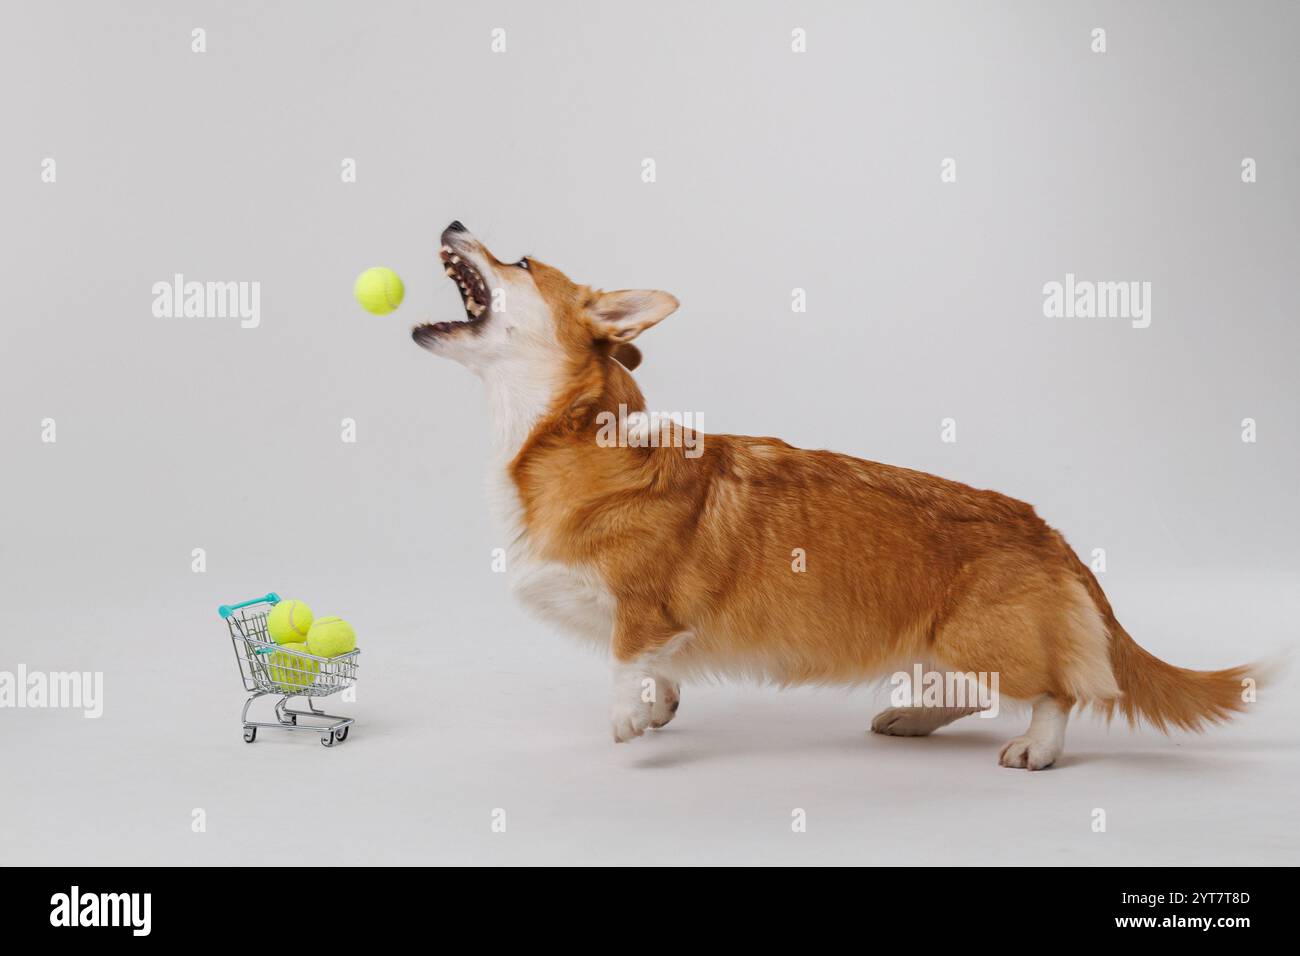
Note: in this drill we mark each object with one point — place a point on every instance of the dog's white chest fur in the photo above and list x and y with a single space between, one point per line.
572 599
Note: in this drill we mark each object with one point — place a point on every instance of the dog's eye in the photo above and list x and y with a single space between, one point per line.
522 263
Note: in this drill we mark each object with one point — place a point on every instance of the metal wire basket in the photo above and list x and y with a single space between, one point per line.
268 668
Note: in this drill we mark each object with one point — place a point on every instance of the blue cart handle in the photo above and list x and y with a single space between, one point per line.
228 609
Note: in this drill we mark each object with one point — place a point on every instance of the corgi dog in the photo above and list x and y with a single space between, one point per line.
681 564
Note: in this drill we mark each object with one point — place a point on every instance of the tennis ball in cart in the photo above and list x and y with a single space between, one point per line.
330 637
292 671
289 621
379 290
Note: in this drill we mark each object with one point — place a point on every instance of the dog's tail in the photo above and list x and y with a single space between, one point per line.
1167 696
1163 695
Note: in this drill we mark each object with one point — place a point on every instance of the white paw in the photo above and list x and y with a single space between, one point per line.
629 719
1029 753
666 703
904 722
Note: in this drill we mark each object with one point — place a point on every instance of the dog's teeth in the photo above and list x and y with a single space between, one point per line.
455 260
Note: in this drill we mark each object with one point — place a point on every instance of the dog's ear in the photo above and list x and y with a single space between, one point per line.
622 316
627 355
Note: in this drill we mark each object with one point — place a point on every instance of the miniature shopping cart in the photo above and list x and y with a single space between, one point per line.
270 669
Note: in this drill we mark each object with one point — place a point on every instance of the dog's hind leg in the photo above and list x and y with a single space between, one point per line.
1039 746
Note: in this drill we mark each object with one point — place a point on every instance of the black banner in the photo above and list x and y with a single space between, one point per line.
208 905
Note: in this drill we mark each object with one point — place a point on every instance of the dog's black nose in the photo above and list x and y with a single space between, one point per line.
457 226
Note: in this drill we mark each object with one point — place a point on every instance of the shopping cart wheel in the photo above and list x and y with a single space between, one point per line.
327 740
250 734
342 735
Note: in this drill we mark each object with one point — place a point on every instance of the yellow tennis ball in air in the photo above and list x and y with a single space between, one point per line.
289 621
379 290
292 671
330 637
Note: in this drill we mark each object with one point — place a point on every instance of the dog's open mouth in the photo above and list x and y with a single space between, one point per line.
473 294
473 290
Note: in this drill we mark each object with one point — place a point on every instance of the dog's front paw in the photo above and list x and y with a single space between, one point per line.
904 722
629 719
666 703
